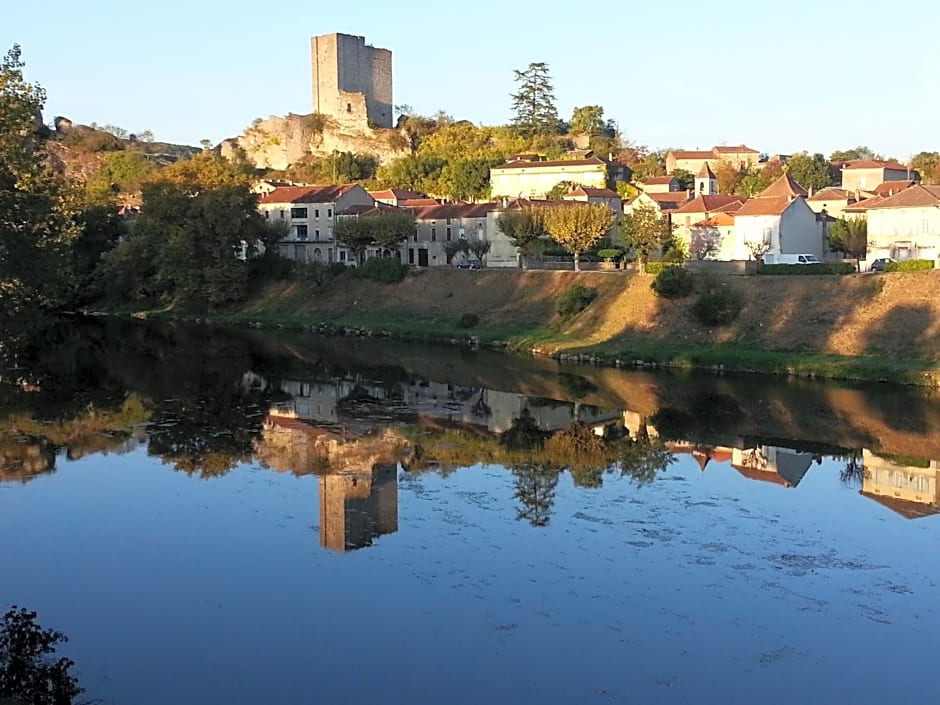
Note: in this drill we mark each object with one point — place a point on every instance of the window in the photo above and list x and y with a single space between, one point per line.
448 234
316 234
448 221
298 212
301 232
282 215
267 215
329 212
414 238
433 234
348 107
342 255
316 213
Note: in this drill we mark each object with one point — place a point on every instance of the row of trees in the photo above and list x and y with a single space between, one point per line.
579 226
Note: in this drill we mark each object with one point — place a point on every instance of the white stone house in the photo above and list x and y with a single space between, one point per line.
525 178
309 214
785 223
906 225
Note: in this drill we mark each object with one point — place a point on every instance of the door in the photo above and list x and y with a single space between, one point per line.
422 258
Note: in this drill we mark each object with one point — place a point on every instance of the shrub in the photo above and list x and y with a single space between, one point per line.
575 299
654 267
382 270
910 265
808 269
673 283
675 254
468 320
610 253
718 306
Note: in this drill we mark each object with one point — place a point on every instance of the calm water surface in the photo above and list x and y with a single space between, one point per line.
226 517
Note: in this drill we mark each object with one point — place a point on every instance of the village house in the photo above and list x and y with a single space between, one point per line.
309 214
911 490
866 174
402 197
905 225
697 223
603 196
741 157
786 224
528 178
438 224
833 201
889 188
665 203
659 184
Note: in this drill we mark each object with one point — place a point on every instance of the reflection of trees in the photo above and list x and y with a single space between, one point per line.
853 472
585 454
523 434
642 458
535 491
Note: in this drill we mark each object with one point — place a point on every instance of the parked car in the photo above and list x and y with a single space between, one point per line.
880 264
472 264
770 258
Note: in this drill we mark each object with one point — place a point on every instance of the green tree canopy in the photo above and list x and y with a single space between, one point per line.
466 179
525 228
645 231
851 237
809 171
860 152
36 228
587 120
578 226
125 171
533 104
928 164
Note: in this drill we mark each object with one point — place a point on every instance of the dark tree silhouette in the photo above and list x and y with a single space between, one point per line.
28 671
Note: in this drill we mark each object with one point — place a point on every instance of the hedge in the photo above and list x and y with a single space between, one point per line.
910 265
808 269
654 267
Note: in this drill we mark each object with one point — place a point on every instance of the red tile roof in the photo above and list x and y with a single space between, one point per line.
454 210
398 194
521 164
692 154
715 221
593 192
651 180
705 172
917 196
706 204
874 164
765 205
889 188
784 186
906 508
832 194
307 194
739 149
411 202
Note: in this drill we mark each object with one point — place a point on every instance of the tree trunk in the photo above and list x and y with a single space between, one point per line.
641 261
577 262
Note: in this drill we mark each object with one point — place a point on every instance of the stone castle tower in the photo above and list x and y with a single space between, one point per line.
352 81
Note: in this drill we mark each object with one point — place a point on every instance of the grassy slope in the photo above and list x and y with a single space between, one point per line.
884 327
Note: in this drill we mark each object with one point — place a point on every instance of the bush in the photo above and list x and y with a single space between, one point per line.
610 253
910 265
718 306
468 320
676 254
575 299
654 267
673 283
382 270
808 269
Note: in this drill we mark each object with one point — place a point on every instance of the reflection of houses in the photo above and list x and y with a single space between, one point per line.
357 506
24 458
908 486
781 466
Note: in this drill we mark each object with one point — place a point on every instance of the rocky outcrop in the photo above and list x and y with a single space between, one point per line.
278 142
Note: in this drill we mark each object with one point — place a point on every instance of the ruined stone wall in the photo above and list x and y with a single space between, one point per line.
343 64
278 142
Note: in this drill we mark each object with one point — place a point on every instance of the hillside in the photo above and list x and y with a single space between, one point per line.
826 326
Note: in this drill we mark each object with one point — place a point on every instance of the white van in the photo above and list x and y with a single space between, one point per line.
791 259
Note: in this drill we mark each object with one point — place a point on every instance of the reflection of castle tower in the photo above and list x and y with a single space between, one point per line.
358 506
908 486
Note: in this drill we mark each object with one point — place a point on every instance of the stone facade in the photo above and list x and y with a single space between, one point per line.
352 81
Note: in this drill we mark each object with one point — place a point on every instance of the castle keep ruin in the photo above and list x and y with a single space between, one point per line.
352 81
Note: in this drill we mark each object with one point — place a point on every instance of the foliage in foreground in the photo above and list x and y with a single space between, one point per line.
910 265
575 299
28 671
673 283
808 269
384 270
717 306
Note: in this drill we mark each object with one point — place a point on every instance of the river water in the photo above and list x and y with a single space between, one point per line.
235 517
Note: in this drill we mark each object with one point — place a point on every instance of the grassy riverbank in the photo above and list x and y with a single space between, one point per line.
864 327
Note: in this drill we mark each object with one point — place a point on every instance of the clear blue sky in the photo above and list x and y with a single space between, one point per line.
781 76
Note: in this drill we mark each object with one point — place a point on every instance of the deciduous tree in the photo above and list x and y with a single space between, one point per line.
860 152
928 164
579 226
851 237
729 177
525 228
809 171
644 230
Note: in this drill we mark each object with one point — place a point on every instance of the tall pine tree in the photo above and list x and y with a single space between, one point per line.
534 102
